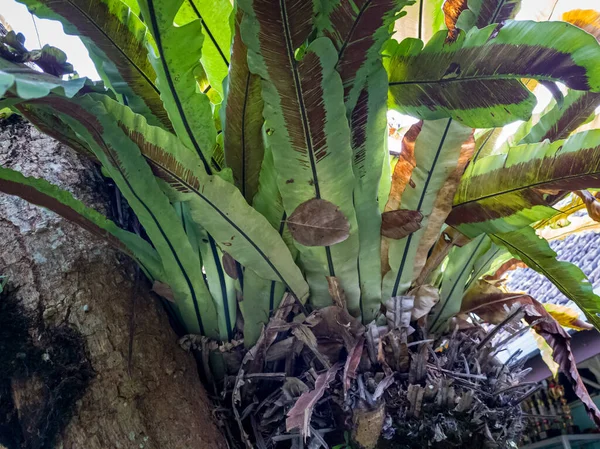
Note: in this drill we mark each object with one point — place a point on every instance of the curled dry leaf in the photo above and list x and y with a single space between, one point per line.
162 289
492 303
352 362
591 203
452 10
334 326
318 222
507 266
404 167
397 224
546 353
299 415
426 296
568 317
338 295
450 237
230 266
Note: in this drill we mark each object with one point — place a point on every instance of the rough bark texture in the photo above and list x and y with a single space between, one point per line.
64 328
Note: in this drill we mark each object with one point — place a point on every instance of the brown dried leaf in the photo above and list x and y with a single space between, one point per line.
318 222
449 238
591 203
507 266
418 365
335 326
442 206
415 397
336 291
558 339
452 10
304 334
352 363
229 265
299 415
162 289
491 303
397 224
395 350
404 167
426 296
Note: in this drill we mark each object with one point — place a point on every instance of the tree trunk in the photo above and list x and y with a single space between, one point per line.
66 380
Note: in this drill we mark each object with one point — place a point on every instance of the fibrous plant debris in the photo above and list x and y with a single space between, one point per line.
311 381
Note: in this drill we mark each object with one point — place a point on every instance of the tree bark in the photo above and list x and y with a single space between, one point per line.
66 380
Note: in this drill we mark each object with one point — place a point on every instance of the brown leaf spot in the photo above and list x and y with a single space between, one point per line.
290 181
229 265
162 289
397 224
318 222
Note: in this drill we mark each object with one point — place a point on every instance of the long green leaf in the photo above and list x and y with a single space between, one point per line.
568 278
242 120
458 271
215 204
481 13
42 193
358 31
179 49
221 286
437 151
504 192
214 16
116 40
121 159
477 78
261 296
561 121
308 130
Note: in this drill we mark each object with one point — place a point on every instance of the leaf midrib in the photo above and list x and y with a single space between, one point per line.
89 19
303 115
100 141
421 199
210 35
177 100
226 218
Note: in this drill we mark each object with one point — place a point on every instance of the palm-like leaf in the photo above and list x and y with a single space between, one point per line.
430 82
117 40
308 131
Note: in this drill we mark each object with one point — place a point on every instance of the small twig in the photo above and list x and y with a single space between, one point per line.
530 416
515 335
514 387
420 342
463 375
467 370
526 395
270 376
497 329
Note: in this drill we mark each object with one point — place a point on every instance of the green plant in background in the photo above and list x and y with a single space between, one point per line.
3 281
250 140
